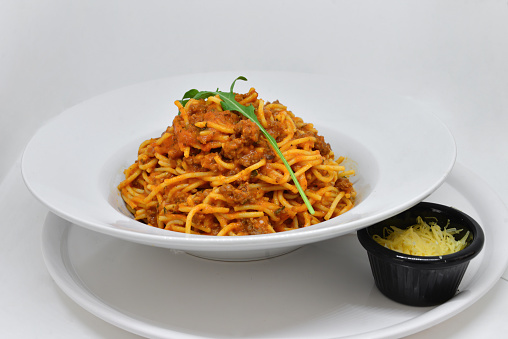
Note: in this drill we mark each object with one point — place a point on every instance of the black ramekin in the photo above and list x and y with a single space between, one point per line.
421 280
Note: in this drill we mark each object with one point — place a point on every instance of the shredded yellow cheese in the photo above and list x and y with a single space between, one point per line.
422 239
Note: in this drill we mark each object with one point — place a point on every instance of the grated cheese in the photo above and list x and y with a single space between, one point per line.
422 239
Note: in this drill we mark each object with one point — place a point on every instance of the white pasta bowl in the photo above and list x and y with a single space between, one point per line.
400 151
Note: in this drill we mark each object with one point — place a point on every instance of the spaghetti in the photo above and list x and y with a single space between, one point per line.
212 172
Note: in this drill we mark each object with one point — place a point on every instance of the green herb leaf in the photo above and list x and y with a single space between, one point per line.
195 94
229 103
233 84
279 210
188 95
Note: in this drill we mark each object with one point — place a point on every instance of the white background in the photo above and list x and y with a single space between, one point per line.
55 54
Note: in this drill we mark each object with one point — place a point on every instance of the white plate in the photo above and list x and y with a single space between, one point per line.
322 290
400 150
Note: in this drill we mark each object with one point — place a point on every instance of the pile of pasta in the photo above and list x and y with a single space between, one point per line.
212 172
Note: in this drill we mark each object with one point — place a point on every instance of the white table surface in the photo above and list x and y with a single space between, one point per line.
54 54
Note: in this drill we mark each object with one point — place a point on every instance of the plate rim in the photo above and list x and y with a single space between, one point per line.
56 264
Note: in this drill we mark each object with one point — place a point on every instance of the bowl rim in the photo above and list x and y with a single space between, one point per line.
468 253
109 119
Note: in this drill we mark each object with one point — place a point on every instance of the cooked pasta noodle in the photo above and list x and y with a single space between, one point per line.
212 172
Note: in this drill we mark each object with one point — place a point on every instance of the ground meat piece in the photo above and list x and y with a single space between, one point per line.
221 117
215 228
344 184
256 226
178 198
199 218
322 146
194 162
248 131
200 196
251 157
151 216
230 149
277 130
196 112
237 196
209 162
